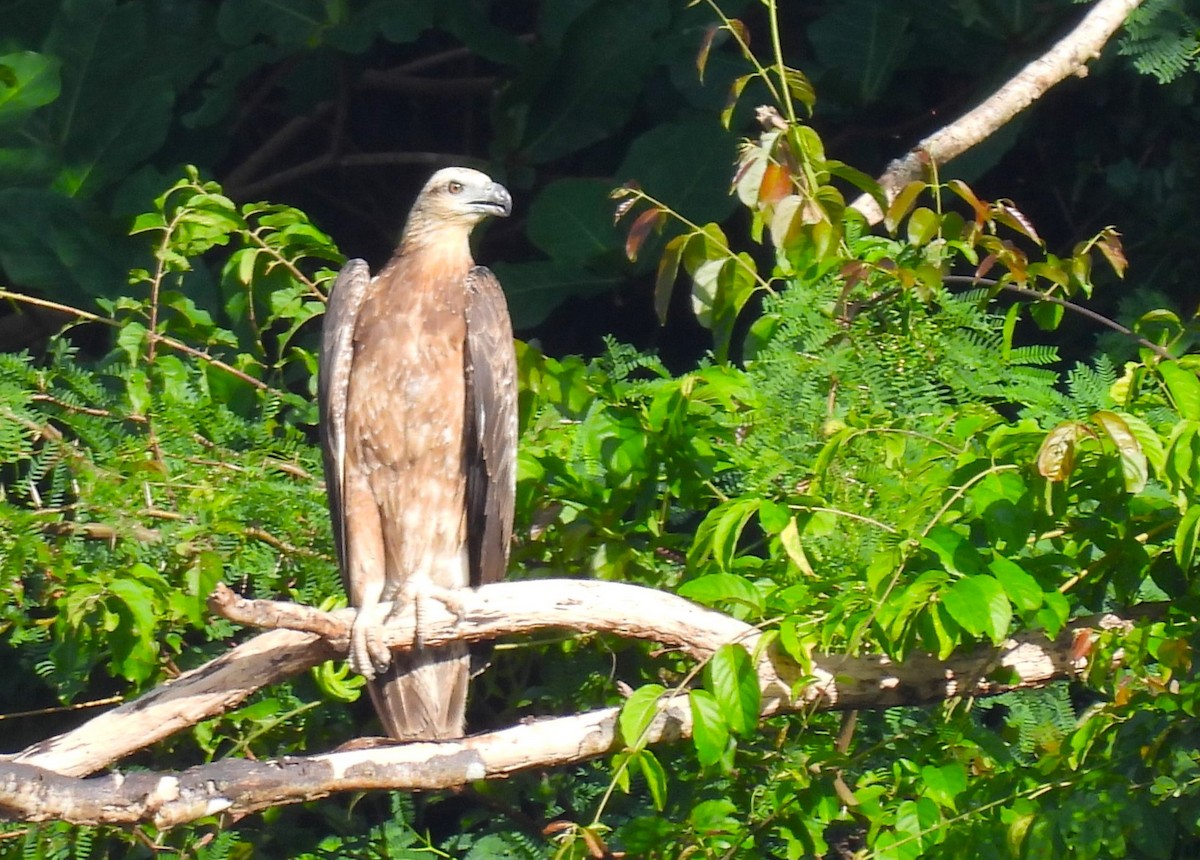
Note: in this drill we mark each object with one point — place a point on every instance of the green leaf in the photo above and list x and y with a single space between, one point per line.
655 776
922 226
710 732
717 588
1133 460
944 784
595 80
685 164
1186 535
979 605
1184 388
638 712
1022 589
32 80
733 681
570 221
718 534
864 41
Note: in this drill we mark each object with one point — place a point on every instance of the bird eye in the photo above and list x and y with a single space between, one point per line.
454 187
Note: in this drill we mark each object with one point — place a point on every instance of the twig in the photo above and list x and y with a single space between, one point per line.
87 316
1160 351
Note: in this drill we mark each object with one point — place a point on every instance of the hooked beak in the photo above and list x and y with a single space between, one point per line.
495 200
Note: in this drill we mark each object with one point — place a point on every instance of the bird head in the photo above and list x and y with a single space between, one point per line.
460 195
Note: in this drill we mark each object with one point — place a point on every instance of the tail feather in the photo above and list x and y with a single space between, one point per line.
423 694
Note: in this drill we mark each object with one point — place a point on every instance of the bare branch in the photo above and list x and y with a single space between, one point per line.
1068 57
41 782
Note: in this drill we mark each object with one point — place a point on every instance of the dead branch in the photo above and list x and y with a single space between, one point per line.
42 782
1068 57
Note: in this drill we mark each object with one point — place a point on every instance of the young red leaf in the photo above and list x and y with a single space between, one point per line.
651 219
1007 213
776 184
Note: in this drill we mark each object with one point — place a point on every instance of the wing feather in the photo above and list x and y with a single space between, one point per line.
333 382
491 435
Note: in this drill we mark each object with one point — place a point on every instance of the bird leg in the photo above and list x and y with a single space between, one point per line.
369 656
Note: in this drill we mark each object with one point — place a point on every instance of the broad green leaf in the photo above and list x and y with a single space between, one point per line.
32 80
1186 535
922 226
1184 388
594 81
944 784
902 203
570 223
979 604
710 732
1133 460
638 712
734 682
717 588
1022 589
664 280
655 776
718 534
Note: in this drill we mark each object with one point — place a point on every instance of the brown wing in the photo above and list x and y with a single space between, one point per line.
333 382
491 427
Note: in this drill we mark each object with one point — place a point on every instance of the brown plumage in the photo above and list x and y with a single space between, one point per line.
418 400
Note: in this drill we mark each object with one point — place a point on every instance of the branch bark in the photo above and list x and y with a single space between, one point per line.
1068 57
43 782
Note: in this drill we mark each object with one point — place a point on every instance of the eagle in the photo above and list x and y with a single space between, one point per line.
418 421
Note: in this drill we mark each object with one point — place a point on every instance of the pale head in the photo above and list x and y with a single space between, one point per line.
460 195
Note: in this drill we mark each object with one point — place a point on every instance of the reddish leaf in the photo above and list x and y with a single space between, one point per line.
1007 213
776 184
985 266
649 220
1109 244
1081 646
964 191
706 46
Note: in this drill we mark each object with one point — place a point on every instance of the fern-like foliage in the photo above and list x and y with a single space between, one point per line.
1163 39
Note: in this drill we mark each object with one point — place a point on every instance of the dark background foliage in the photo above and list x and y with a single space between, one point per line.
343 108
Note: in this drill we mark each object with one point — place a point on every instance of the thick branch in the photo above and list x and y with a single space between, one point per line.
40 783
1068 57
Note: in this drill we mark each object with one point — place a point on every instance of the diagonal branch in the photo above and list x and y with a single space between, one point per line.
1068 57
42 782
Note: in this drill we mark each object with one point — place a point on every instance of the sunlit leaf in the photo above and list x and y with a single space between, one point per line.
734 683
1184 388
1186 535
1133 459
1110 246
1056 457
1008 214
901 204
638 712
710 732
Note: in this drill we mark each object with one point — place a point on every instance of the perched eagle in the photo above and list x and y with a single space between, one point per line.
418 401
